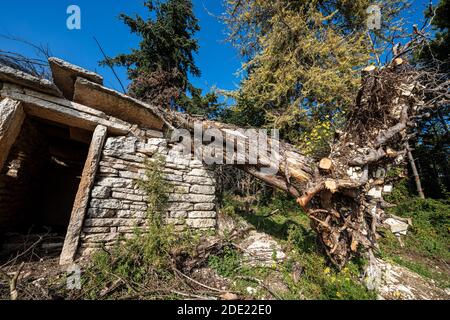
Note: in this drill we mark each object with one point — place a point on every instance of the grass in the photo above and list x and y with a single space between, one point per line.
425 248
144 260
282 219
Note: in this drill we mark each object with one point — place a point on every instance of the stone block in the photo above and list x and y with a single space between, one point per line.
208 190
101 192
202 214
204 206
201 223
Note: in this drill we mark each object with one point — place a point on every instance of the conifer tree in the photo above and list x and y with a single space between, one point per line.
302 62
160 68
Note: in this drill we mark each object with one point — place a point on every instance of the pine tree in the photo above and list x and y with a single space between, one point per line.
160 68
432 145
439 47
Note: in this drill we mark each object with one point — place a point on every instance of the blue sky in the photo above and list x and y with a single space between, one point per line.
44 22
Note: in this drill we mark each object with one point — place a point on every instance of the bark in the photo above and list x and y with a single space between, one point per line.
342 194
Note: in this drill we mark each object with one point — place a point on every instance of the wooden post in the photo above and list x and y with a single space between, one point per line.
83 194
11 120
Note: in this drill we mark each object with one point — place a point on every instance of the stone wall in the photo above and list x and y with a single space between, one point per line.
117 204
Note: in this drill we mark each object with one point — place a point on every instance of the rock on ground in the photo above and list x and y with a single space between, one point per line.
395 282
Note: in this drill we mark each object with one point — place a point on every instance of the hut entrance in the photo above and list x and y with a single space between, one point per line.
38 184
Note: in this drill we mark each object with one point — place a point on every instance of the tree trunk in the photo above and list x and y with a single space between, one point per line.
412 163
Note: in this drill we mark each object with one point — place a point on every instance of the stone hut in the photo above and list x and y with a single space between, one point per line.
71 151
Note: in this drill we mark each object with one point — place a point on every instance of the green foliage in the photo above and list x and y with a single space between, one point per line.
426 244
432 147
145 258
400 192
227 263
167 40
439 47
429 235
156 188
319 280
282 219
160 67
302 60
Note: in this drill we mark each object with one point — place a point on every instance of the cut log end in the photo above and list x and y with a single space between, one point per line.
398 61
369 69
326 164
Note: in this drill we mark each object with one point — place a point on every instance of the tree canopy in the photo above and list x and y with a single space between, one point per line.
161 66
302 62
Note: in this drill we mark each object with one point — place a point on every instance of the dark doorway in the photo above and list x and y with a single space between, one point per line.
38 185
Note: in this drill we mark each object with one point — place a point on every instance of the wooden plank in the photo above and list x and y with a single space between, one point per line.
12 116
82 198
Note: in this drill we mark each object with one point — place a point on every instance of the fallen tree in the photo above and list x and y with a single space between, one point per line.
342 194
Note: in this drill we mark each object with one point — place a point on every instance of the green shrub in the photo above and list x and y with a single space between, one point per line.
227 263
283 219
318 279
156 188
426 243
145 258
429 234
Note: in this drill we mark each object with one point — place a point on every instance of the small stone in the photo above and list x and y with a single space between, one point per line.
198 180
112 222
396 226
375 193
178 214
131 197
202 214
156 141
121 144
261 249
203 189
251 290
195 163
116 182
99 237
101 213
199 173
104 169
130 175
201 223
195 198
180 206
96 230
173 177
131 214
101 192
229 296
181 189
106 204
204 206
